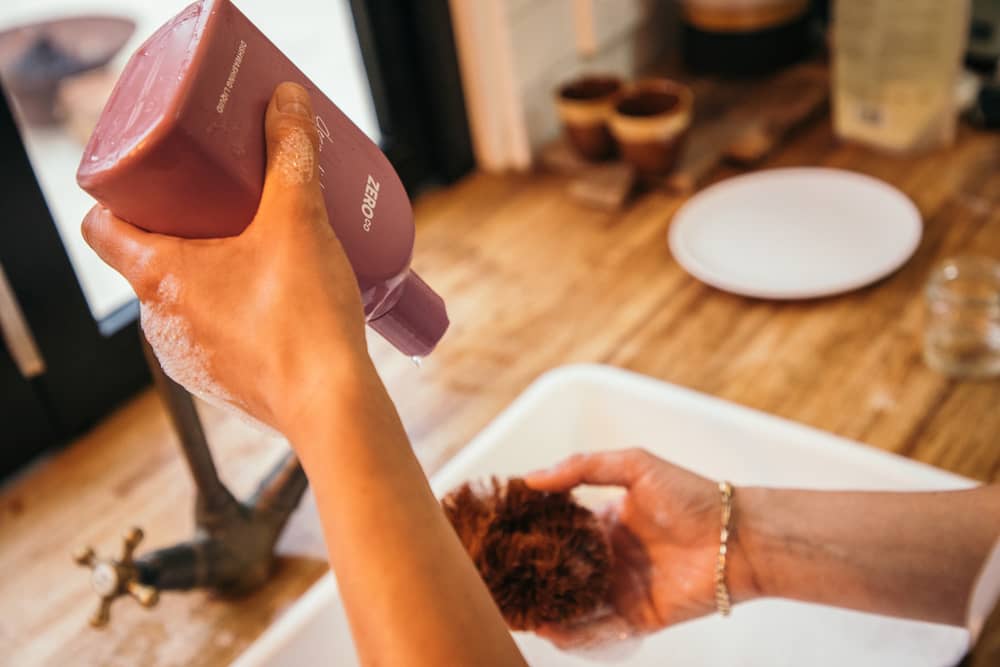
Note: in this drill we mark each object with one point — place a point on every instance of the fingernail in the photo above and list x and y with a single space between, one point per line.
291 98
94 216
98 213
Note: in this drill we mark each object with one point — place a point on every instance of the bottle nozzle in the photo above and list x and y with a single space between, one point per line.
417 321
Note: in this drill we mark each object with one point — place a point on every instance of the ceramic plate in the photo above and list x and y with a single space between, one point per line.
795 233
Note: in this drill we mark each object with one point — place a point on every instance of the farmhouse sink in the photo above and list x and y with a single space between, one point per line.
588 408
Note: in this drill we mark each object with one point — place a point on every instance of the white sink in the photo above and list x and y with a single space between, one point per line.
587 408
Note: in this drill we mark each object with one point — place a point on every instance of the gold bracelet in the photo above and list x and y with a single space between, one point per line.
722 601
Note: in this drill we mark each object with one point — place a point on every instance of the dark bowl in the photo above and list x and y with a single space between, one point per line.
35 58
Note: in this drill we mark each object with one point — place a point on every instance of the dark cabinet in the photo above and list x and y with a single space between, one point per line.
89 365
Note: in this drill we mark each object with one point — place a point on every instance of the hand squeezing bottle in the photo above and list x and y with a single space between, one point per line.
179 150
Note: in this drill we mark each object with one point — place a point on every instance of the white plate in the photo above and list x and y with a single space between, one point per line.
795 233
587 408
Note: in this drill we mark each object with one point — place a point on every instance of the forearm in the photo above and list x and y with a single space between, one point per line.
914 555
412 595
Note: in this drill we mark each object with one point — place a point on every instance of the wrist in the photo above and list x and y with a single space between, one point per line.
313 399
751 573
763 538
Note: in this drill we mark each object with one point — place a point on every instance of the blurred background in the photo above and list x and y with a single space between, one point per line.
793 205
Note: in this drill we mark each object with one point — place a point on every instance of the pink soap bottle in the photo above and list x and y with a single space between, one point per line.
179 150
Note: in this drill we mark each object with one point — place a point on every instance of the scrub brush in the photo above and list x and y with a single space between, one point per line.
544 557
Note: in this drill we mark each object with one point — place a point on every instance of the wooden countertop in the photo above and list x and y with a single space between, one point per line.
532 281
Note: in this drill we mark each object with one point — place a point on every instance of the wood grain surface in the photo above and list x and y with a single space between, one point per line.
532 280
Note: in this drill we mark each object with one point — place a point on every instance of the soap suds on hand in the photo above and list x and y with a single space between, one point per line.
296 157
169 289
185 362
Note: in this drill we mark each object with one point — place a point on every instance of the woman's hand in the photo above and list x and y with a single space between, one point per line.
260 319
912 555
665 537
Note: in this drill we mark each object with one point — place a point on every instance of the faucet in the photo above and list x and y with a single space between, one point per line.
232 550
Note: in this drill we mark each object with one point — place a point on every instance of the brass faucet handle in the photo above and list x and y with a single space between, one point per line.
85 556
102 615
145 595
112 578
130 541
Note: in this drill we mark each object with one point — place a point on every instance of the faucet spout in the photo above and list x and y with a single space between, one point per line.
232 551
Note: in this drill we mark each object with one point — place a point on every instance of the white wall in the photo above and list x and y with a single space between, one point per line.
513 54
553 40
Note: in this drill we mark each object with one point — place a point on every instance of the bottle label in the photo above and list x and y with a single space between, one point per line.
234 71
369 202
324 136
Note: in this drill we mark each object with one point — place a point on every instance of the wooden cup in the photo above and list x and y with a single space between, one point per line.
650 122
584 106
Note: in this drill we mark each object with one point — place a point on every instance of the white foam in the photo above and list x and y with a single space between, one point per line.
296 157
605 637
181 358
169 289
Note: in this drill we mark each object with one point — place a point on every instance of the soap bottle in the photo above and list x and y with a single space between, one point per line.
179 150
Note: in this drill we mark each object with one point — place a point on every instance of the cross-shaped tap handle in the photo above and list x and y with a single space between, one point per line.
112 578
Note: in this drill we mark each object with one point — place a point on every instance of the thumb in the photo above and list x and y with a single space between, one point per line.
612 468
292 177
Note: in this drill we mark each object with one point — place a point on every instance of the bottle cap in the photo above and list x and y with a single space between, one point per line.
417 321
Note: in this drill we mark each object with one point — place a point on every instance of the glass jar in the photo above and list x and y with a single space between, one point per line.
962 330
